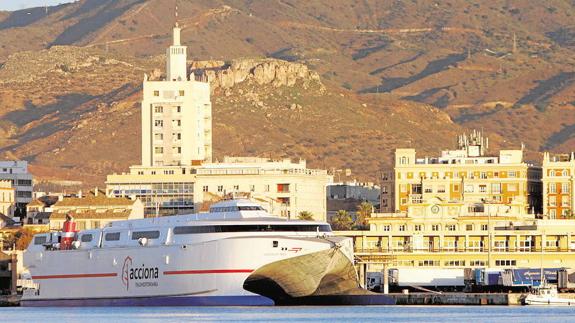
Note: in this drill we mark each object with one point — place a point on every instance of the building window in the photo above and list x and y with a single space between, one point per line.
386 227
428 190
435 227
483 175
159 150
552 188
252 188
482 188
182 93
456 188
450 227
505 262
552 201
565 188
428 263
159 123
416 188
484 227
401 227
417 227
565 173
468 188
441 189
159 109
178 109
159 136
156 93
205 188
454 263
477 263
496 188
553 214
220 188
283 188
512 187
512 173
236 187
403 188
469 227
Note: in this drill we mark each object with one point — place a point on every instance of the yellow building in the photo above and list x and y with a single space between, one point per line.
7 200
558 186
503 241
462 182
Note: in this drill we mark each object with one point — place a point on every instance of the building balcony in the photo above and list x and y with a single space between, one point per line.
495 250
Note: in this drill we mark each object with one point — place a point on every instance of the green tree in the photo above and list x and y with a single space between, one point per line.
364 211
341 221
305 215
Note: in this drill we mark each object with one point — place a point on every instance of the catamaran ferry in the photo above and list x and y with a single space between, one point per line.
237 254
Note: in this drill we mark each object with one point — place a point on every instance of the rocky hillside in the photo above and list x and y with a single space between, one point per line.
506 67
81 106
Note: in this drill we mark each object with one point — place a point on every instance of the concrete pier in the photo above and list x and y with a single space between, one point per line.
456 299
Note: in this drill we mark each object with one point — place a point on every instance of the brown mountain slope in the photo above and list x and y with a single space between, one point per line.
504 66
79 118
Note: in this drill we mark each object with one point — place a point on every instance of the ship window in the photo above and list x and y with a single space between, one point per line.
250 208
113 236
86 238
251 228
40 240
145 234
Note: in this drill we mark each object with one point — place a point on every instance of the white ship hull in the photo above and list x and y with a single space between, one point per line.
209 273
549 301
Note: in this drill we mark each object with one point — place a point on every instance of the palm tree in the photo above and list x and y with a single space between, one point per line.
305 215
341 221
364 211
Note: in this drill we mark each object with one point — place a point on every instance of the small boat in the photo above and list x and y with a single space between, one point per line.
547 295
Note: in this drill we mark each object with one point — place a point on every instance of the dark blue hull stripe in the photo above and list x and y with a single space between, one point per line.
157 301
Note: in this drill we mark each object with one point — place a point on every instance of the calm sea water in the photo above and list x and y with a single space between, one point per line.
292 314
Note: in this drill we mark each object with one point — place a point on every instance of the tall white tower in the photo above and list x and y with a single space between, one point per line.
176 58
176 114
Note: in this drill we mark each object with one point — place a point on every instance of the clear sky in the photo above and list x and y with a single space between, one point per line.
12 5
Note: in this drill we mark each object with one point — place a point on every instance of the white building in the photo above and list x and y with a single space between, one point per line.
176 114
21 179
283 187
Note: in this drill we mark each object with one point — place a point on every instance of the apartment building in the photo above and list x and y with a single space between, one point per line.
462 182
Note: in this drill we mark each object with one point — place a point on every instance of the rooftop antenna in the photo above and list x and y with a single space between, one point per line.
176 14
